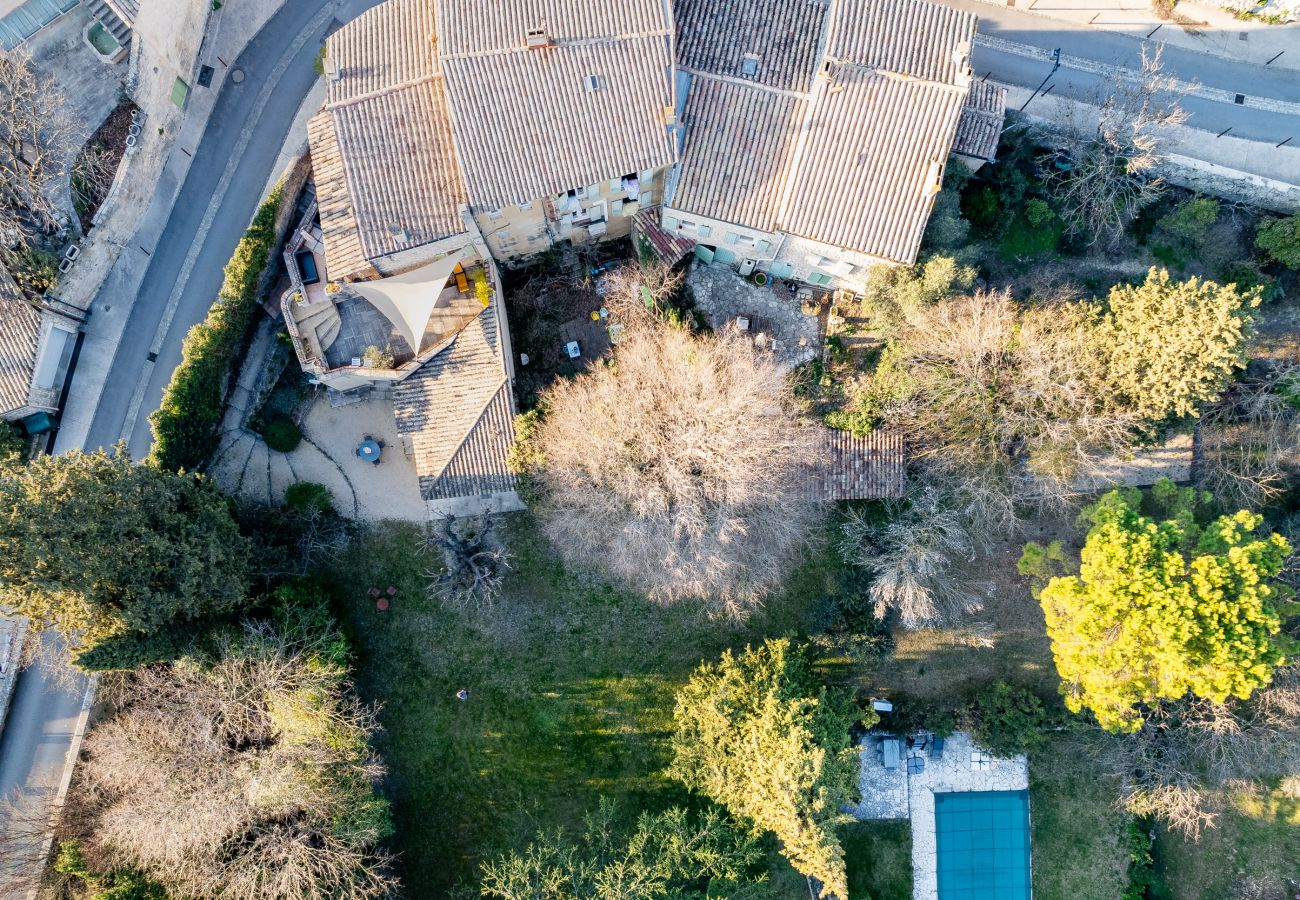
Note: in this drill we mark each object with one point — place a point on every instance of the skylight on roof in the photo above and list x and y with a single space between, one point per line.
749 65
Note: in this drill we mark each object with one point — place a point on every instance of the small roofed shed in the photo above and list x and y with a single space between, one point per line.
20 336
872 467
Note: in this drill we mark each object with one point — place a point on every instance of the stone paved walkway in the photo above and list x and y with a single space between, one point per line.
722 295
897 795
361 490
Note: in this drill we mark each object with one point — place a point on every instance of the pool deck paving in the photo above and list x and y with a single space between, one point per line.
895 794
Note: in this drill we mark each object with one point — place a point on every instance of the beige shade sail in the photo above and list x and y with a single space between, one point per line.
408 300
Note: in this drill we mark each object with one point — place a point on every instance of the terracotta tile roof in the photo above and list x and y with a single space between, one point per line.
859 468
344 257
383 48
670 248
980 124
471 27
382 153
459 414
874 145
908 37
20 334
740 141
781 37
401 168
527 125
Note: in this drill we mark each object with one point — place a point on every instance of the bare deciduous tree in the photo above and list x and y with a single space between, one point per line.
1177 766
678 470
912 557
248 777
1250 438
1113 171
36 144
638 294
474 561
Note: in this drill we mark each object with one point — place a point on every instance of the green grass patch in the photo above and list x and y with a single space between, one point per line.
1078 831
879 858
571 687
1258 837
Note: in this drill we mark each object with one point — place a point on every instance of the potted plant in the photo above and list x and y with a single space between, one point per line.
761 279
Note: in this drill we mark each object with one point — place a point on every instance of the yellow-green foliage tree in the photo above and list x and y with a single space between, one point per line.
1170 346
99 549
758 736
1164 607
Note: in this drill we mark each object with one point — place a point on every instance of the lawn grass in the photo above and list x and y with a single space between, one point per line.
1077 829
879 860
1259 837
571 685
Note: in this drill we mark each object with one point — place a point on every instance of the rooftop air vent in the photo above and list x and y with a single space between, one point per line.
537 38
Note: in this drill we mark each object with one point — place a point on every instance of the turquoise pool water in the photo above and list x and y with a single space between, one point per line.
983 845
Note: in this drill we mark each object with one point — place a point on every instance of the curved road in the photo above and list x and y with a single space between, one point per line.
243 137
231 165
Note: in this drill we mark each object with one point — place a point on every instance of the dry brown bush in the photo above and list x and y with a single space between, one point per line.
36 145
1187 755
1003 404
677 470
1250 438
247 778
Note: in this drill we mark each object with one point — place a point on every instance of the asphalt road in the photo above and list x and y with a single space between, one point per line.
43 715
1259 84
268 57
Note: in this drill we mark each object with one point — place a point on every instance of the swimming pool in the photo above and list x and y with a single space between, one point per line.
983 845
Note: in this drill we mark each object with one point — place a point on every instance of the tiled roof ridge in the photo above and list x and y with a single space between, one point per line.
381 92
593 41
747 82
962 89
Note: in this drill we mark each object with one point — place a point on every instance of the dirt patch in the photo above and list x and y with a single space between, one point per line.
96 165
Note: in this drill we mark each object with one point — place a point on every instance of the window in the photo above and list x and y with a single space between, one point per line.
645 199
646 177
494 215
525 207
745 240
593 83
671 224
581 193
628 184
733 238
617 207
764 247
819 278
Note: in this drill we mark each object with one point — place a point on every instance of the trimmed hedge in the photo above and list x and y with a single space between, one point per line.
282 435
185 425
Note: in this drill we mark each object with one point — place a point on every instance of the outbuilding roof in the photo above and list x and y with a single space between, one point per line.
980 125
20 334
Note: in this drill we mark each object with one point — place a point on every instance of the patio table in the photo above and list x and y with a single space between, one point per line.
369 450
